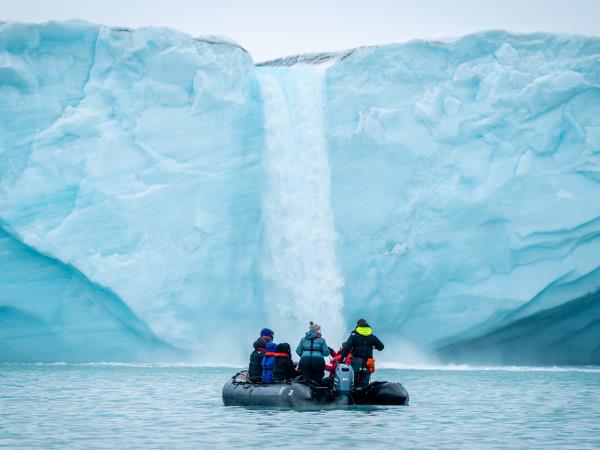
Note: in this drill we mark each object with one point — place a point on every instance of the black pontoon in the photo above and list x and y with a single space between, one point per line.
301 393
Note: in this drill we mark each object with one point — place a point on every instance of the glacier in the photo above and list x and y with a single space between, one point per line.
77 317
134 156
465 181
160 192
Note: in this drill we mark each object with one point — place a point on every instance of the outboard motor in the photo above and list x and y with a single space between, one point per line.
343 379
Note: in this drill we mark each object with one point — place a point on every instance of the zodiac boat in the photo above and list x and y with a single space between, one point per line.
301 393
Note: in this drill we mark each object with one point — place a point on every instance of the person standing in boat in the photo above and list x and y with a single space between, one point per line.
312 350
255 368
361 343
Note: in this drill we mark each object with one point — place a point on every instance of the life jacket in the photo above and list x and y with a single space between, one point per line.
268 362
308 345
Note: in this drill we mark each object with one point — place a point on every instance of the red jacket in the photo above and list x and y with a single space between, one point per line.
335 361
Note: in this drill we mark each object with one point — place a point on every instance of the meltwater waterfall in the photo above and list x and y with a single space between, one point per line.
303 280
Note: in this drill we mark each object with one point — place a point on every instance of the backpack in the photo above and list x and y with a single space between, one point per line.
268 362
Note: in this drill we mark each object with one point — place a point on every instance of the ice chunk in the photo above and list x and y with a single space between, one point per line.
507 55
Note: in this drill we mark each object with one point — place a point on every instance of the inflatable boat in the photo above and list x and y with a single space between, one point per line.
300 393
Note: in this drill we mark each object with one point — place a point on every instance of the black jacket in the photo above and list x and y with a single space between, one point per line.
361 346
284 369
255 367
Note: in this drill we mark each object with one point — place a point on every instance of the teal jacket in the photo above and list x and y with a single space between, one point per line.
312 344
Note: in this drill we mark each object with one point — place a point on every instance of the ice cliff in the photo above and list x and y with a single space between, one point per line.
133 156
160 193
466 181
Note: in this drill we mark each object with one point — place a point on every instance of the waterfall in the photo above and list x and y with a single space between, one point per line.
302 278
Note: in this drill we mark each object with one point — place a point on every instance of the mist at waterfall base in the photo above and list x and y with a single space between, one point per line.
163 198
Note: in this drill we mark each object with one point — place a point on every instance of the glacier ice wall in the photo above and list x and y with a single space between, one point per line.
50 311
163 192
134 156
465 180
565 334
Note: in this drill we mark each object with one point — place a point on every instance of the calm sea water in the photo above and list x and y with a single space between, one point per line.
124 406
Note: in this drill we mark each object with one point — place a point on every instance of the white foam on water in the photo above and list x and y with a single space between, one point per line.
466 367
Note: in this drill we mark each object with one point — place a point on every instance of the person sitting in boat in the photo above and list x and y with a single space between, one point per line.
335 360
361 343
312 350
268 362
284 369
255 367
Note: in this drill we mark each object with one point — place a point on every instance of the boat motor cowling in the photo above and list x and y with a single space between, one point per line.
343 379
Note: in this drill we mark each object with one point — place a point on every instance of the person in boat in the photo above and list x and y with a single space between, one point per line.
284 369
268 362
361 343
312 350
255 367
336 360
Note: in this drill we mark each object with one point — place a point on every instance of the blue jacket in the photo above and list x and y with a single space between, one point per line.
268 362
312 344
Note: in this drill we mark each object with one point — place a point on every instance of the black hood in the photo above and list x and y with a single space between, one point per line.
260 343
284 348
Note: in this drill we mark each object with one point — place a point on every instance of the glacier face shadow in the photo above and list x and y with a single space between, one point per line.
52 312
564 335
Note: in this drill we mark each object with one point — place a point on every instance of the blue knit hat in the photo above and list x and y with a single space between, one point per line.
266 332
